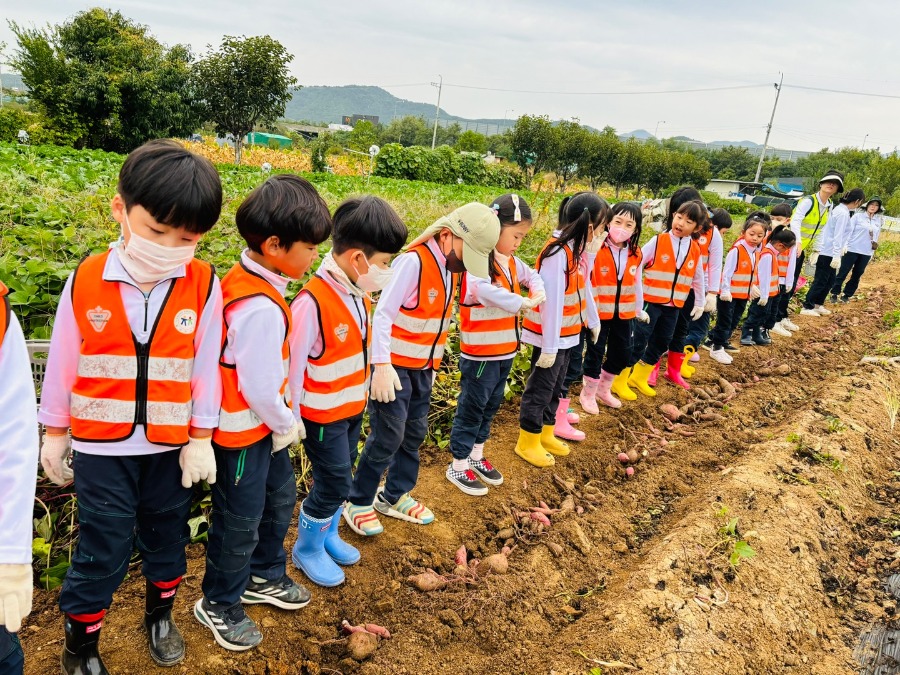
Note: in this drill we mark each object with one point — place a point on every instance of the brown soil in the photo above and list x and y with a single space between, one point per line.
805 463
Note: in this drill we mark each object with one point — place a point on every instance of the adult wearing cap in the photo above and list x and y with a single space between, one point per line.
862 240
808 218
409 332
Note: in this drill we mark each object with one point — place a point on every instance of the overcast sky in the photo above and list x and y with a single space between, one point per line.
577 46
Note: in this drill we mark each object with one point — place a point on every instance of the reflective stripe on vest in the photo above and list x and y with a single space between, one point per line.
768 257
419 333
574 303
812 222
664 281
784 261
335 381
120 384
5 311
490 331
612 296
239 426
744 273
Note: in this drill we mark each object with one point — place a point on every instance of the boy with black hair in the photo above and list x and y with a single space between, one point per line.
283 221
721 220
330 373
781 215
132 371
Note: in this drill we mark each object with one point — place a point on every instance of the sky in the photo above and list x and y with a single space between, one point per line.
480 47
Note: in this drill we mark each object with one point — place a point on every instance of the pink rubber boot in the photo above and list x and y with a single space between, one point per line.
573 417
588 394
563 429
603 390
673 369
654 374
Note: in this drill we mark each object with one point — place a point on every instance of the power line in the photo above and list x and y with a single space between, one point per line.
842 91
607 93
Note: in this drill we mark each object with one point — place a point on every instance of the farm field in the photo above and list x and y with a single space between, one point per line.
759 544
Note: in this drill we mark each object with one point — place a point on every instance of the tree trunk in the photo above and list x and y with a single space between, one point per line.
238 146
617 190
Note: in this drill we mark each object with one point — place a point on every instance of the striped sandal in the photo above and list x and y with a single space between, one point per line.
406 508
362 519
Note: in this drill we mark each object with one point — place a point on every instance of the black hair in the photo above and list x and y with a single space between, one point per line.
285 206
633 210
783 235
577 213
784 210
695 210
854 195
754 219
679 197
505 208
370 224
175 186
721 219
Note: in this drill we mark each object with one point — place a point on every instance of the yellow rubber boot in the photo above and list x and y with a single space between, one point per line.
638 379
686 368
620 386
552 444
529 448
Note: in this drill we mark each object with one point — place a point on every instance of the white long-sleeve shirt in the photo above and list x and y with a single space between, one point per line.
714 262
681 246
833 234
490 294
555 275
730 266
141 310
253 343
862 232
19 449
402 289
306 338
764 272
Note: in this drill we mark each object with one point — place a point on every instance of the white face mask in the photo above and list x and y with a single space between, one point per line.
149 262
375 278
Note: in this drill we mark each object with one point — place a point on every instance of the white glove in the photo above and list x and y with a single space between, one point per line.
642 316
301 430
54 452
814 258
16 586
836 262
697 312
710 304
197 461
595 333
763 302
725 296
385 383
754 292
534 300
593 246
281 441
546 361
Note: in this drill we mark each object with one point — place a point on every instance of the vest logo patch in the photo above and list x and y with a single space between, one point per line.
632 269
665 258
690 264
98 317
604 270
703 240
432 295
341 331
745 264
186 321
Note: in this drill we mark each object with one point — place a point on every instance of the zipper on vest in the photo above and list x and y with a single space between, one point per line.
142 382
146 308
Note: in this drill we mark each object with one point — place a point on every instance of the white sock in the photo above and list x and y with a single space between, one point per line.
460 465
257 580
477 453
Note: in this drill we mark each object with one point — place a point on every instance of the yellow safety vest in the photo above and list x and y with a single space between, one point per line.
811 224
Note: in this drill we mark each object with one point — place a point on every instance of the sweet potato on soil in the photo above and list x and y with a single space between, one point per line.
540 518
629 471
670 412
622 457
494 564
633 456
362 645
461 556
427 581
726 387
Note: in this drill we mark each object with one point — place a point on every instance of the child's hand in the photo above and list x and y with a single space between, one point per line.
197 461
546 361
533 301
16 588
595 333
725 296
642 316
710 305
836 262
697 312
754 292
385 383
281 441
763 302
54 452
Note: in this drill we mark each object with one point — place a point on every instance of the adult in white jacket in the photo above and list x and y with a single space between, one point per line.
861 242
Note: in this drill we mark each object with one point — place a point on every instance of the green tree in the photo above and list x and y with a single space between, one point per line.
103 81
533 144
604 154
731 163
245 83
407 131
363 136
472 141
571 151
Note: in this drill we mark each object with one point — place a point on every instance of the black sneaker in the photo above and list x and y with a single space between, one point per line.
486 471
732 348
284 593
833 299
708 345
766 337
843 299
230 626
466 481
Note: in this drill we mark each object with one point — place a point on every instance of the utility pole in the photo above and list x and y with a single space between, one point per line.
656 133
437 109
864 142
762 157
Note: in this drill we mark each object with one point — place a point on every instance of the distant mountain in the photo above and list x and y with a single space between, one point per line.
639 134
12 81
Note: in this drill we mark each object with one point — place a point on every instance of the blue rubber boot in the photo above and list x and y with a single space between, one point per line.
340 551
309 554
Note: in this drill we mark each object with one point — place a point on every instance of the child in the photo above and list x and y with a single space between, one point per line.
282 221
763 310
133 371
781 215
619 298
862 240
672 269
330 373
18 457
722 222
711 246
488 341
736 289
409 332
554 329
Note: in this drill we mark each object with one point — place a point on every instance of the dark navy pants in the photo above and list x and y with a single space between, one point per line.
125 502
12 661
652 340
253 501
682 325
544 388
398 428
615 343
698 330
332 450
481 390
850 261
821 283
761 317
728 315
784 299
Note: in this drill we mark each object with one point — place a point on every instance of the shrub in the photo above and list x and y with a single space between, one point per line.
443 165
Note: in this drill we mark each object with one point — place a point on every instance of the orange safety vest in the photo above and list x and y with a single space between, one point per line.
574 303
240 427
744 273
5 311
419 333
334 384
704 241
664 281
121 383
784 259
768 257
489 331
612 296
